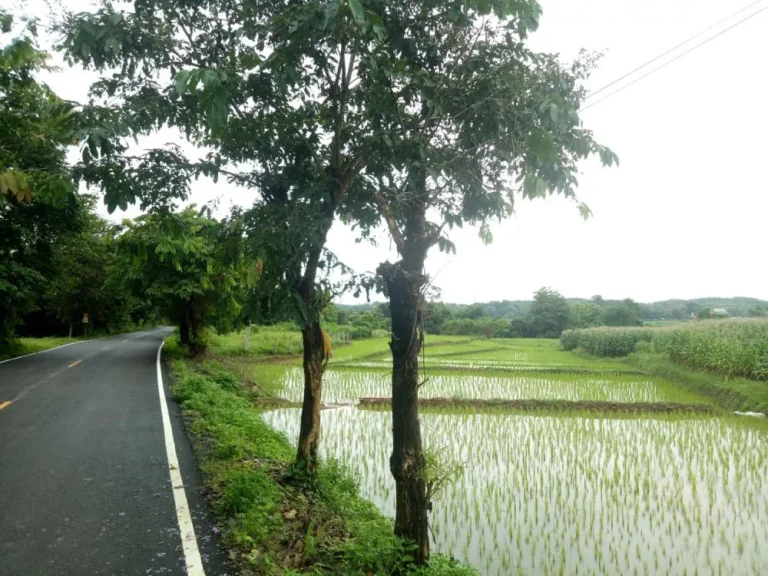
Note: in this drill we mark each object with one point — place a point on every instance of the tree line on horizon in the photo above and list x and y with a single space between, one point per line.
546 315
416 116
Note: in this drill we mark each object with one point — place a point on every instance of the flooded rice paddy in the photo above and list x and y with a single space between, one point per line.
566 493
348 386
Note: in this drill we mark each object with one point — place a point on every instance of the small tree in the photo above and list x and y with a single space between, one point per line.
187 265
625 314
586 315
549 314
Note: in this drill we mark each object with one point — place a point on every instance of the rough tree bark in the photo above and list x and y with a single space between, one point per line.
184 328
314 353
314 366
405 281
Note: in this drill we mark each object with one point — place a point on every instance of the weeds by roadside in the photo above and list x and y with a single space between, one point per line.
273 521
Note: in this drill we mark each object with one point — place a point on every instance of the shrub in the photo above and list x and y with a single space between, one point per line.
605 341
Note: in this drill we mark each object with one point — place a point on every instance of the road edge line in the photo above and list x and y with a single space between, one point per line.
63 346
194 563
46 350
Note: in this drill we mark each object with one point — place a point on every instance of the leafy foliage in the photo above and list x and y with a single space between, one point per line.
606 341
188 265
347 533
36 200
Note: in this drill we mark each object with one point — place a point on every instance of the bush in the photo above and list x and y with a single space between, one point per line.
605 341
486 327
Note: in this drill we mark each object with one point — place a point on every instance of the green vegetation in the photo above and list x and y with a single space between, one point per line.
724 360
735 394
606 341
511 493
729 348
405 114
24 346
734 348
272 517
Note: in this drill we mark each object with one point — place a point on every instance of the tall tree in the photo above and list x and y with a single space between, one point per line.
37 200
550 314
272 90
471 120
586 315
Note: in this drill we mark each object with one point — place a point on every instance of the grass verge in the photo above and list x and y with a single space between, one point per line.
272 522
730 393
24 346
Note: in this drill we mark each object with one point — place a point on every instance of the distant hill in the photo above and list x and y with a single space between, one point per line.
665 309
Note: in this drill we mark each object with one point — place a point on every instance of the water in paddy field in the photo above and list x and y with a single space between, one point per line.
348 386
575 494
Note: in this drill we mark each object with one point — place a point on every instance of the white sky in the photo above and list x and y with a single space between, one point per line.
684 215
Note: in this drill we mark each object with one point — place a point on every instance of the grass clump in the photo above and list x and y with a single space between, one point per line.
276 521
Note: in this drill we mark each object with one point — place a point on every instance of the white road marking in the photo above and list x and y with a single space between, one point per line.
187 530
59 347
41 351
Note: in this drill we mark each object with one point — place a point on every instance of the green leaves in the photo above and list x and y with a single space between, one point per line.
542 144
357 13
214 97
534 186
331 14
607 156
15 185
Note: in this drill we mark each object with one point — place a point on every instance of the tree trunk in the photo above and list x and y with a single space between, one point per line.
184 330
70 329
404 282
195 322
315 357
407 460
309 433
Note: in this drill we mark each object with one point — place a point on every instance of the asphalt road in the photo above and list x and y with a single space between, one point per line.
85 481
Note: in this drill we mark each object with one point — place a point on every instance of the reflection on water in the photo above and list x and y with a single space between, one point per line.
345 386
568 495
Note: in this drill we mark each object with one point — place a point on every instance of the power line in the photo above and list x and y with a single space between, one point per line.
668 62
683 43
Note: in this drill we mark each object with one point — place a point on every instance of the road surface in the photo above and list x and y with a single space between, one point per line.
86 464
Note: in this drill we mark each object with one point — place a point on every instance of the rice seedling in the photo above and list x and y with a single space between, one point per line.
348 386
544 494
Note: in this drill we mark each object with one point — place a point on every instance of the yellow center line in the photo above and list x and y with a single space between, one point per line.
5 404
74 364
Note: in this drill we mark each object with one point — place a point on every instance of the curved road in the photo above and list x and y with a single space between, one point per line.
85 480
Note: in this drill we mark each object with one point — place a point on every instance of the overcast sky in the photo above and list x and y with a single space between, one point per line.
683 216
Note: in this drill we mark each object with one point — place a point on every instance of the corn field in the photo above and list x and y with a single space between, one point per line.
733 348
726 347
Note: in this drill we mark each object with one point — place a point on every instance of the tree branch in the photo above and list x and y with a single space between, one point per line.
394 230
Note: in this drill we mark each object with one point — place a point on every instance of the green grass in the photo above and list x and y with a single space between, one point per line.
278 340
265 514
730 393
32 345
